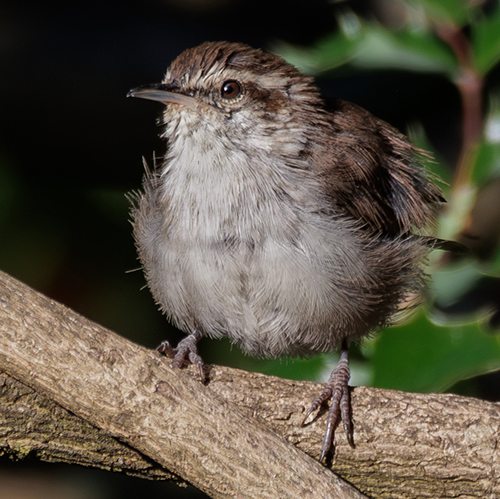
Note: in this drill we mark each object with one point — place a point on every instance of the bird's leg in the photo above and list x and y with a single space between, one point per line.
186 351
338 390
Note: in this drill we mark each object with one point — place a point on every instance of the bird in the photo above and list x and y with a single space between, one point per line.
291 223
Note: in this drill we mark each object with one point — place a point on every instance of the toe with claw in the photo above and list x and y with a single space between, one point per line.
338 391
186 351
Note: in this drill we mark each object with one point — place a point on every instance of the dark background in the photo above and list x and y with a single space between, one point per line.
71 146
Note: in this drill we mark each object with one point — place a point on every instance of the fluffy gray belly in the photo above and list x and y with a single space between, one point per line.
273 294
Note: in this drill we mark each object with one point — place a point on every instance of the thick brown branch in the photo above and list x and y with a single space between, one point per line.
31 424
133 395
131 405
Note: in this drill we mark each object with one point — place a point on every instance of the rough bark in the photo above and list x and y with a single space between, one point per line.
76 392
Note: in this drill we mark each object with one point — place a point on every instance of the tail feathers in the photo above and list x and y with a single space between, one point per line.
445 245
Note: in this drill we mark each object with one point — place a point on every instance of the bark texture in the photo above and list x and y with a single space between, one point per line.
73 391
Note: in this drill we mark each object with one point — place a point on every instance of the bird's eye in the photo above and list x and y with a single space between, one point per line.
230 89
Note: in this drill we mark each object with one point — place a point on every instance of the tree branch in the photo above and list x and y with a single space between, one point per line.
31 424
92 397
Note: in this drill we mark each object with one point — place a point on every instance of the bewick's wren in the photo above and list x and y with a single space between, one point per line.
286 226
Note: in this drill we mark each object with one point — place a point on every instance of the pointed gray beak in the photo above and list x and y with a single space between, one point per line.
162 92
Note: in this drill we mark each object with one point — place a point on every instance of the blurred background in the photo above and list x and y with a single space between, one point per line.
71 147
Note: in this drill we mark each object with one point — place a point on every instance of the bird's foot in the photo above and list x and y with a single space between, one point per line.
186 351
338 390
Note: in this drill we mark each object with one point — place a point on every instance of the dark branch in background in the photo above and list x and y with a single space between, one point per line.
470 85
91 397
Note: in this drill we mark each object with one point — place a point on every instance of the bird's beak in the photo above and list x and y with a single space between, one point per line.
161 92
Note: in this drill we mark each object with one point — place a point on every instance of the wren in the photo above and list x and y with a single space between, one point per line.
288 224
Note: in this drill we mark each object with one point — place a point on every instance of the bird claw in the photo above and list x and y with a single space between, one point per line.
337 389
186 351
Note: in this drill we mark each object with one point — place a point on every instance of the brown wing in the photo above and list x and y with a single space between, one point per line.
375 174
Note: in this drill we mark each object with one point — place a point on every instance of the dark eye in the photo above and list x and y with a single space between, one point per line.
230 89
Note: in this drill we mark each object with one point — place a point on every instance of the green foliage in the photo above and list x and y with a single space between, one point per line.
424 357
487 163
486 41
369 45
444 11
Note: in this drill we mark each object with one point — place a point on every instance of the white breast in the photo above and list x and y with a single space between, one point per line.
247 253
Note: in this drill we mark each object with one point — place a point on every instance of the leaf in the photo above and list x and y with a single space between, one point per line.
445 11
370 45
413 50
485 35
424 357
487 161
495 264
333 51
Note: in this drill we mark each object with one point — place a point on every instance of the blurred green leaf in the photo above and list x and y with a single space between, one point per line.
371 45
485 35
445 11
450 283
495 265
424 357
487 163
487 160
413 50
459 203
332 52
